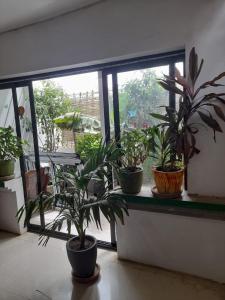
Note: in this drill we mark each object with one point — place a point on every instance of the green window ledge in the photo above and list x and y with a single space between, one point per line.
203 207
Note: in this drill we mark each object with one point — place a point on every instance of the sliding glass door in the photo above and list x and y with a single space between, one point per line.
63 144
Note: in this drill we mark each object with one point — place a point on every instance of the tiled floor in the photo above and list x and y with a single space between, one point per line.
42 273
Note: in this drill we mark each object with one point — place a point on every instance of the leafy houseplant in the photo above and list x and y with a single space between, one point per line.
168 170
10 149
135 151
78 208
87 144
181 122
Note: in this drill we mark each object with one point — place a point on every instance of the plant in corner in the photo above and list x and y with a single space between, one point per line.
182 123
10 149
79 209
135 151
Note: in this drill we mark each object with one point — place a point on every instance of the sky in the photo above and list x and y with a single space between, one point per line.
88 82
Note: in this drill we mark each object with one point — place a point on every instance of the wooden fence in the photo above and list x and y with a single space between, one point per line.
87 103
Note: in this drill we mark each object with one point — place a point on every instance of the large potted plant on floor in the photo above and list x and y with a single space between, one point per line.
79 209
195 106
135 151
10 150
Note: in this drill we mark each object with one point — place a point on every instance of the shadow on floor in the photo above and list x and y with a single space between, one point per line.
6 236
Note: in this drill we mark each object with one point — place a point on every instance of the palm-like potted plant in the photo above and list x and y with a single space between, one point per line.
181 122
78 208
135 151
10 150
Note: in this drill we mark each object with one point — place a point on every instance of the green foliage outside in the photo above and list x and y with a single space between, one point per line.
139 97
10 144
135 148
51 101
87 144
78 122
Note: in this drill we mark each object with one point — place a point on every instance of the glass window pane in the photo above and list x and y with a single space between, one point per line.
139 95
56 101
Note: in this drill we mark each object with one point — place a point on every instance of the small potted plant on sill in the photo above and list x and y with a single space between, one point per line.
180 122
10 150
168 169
79 209
135 152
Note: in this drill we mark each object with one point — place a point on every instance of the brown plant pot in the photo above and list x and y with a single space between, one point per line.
168 182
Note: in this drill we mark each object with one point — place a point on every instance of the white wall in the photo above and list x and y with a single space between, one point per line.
107 30
11 200
184 244
207 170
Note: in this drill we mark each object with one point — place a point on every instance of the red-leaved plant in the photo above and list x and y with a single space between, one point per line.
179 121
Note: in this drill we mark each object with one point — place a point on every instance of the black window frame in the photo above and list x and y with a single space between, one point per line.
104 69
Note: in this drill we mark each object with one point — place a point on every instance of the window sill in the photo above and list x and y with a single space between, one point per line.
192 206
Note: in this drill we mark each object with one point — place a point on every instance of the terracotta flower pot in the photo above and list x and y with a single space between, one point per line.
168 182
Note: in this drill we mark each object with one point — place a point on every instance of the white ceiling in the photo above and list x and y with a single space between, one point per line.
18 13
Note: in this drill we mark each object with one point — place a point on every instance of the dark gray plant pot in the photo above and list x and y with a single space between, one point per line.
7 167
96 187
83 261
131 182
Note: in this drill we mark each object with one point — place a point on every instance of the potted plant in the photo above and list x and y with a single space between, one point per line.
10 150
167 170
86 146
78 209
181 121
135 151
